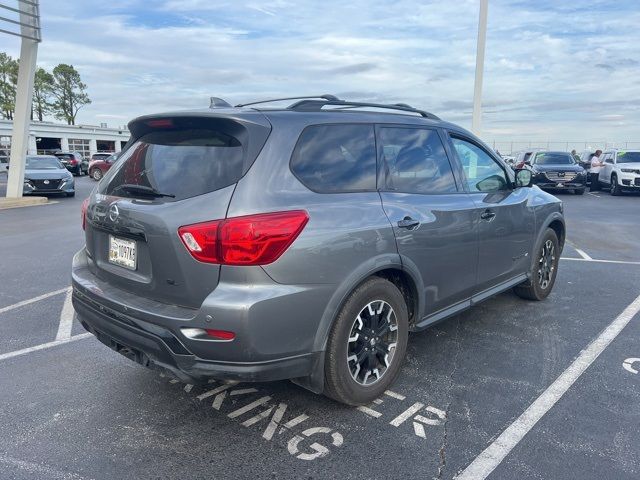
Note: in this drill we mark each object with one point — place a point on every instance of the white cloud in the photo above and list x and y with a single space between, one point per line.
552 69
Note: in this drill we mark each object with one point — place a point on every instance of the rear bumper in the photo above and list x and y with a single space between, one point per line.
150 332
157 347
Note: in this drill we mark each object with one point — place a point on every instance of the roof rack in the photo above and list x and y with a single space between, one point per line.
316 106
324 97
314 103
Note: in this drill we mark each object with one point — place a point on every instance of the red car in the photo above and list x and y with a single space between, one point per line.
100 163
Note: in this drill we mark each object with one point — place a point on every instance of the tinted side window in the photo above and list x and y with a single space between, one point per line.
414 161
336 158
483 172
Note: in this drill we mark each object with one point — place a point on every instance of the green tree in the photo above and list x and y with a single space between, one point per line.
8 82
69 93
43 84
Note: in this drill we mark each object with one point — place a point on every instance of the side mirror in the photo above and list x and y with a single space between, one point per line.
524 177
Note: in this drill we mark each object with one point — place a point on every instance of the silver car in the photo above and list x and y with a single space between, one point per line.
254 243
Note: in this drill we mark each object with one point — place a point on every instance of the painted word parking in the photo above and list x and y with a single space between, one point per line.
278 420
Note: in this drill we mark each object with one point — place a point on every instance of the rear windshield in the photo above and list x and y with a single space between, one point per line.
551 158
177 164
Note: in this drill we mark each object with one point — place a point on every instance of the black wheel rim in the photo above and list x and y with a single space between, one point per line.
372 342
546 264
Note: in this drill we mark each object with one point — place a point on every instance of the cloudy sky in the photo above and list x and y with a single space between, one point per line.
554 70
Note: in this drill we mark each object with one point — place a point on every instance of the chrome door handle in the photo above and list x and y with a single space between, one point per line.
488 215
408 222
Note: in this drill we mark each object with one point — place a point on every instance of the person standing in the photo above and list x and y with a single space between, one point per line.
596 166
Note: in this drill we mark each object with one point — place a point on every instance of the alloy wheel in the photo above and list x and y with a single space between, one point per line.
546 264
372 342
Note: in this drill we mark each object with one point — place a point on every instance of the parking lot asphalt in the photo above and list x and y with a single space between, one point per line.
72 408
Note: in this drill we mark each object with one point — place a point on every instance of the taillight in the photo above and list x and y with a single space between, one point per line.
251 240
73 162
85 205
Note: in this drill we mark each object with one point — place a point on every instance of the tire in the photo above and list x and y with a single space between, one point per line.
346 381
579 191
541 283
615 188
96 174
70 194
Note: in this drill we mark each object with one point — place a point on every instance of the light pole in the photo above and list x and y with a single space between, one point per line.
29 21
477 89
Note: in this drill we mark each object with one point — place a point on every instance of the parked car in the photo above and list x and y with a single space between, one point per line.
303 243
4 165
45 175
74 161
99 166
100 156
621 171
523 157
557 171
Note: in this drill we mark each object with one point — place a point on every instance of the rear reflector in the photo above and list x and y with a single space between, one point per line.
220 334
207 334
251 240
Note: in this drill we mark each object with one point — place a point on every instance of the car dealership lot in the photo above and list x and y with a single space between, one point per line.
75 409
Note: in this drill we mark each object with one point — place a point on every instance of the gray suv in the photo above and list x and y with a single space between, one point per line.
303 242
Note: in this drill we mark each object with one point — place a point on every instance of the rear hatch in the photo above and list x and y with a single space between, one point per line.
176 171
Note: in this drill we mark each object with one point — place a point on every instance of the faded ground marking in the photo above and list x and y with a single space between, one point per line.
39 470
263 409
33 300
64 327
66 318
628 365
594 260
495 453
43 346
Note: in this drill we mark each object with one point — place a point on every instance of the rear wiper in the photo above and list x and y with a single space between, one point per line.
142 189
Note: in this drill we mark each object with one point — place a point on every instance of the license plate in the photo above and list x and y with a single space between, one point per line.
122 252
560 185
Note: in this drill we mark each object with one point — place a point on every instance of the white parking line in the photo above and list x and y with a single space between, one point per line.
594 260
493 455
582 253
593 194
66 318
43 346
33 300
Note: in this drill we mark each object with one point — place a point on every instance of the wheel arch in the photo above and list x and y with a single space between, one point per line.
387 266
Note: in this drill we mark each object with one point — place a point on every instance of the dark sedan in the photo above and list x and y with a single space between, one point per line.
44 175
557 170
74 162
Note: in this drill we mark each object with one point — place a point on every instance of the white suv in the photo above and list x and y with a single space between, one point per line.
621 170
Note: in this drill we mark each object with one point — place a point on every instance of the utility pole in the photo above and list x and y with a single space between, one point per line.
477 90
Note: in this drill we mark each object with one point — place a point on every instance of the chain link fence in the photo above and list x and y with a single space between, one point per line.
511 147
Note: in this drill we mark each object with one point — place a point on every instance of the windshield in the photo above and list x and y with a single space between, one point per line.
43 163
628 157
553 158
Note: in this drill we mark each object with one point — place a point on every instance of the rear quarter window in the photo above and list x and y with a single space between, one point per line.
337 158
